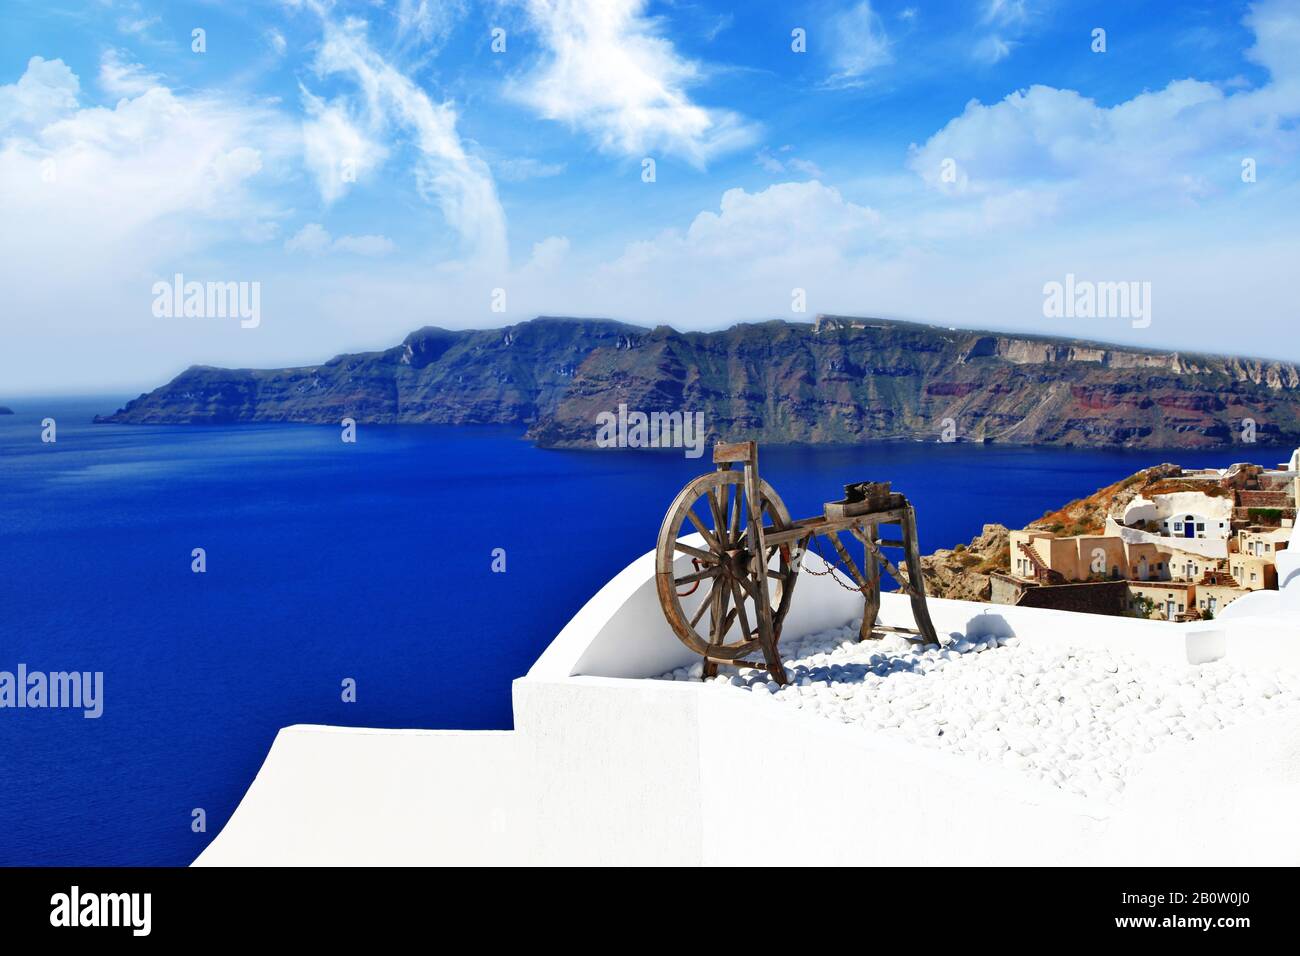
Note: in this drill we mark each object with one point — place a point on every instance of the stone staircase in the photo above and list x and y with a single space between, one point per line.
1042 573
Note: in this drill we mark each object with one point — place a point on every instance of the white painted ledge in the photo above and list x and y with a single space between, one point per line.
604 767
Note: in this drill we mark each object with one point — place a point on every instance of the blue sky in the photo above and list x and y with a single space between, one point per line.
377 166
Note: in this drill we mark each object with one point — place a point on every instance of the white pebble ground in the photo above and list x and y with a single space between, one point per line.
1078 718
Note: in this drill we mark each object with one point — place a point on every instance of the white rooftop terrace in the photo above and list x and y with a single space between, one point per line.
607 766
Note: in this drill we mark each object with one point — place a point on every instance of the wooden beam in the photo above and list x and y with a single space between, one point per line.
724 451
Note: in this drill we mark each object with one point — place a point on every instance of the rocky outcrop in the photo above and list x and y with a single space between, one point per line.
839 380
1088 515
6 410
963 572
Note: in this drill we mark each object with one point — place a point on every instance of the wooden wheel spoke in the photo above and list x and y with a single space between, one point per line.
697 576
740 609
719 513
729 620
708 556
704 606
711 541
721 621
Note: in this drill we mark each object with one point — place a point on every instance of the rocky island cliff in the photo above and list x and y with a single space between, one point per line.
838 380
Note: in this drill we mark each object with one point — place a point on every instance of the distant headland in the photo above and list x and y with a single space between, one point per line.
837 380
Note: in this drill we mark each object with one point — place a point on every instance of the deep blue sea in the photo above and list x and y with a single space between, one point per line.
328 561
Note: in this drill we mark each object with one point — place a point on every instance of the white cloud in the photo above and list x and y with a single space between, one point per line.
776 165
776 228
859 45
121 77
548 254
769 162
431 20
100 201
137 25
1178 144
719 26
992 49
458 182
608 72
1008 21
1276 25
1156 143
311 239
517 170
314 240
46 90
371 245
113 171
336 150
277 41
1006 11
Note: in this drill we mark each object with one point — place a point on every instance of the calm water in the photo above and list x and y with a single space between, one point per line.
328 561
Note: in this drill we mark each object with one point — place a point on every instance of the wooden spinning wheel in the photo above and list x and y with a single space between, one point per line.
727 595
727 601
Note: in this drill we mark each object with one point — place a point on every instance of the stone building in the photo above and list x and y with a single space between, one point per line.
1186 546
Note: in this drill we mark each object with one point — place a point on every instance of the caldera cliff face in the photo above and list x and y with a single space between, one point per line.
838 380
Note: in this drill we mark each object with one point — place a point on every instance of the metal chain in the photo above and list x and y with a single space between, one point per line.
830 568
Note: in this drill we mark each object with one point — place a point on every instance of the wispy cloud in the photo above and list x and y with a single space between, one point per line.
609 72
119 76
521 169
314 240
134 20
276 41
1006 11
458 182
336 149
783 161
431 20
859 45
719 26
992 49
1008 20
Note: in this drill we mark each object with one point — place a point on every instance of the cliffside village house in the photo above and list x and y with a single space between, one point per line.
1182 549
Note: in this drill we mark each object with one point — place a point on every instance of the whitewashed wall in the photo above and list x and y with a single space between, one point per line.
606 767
